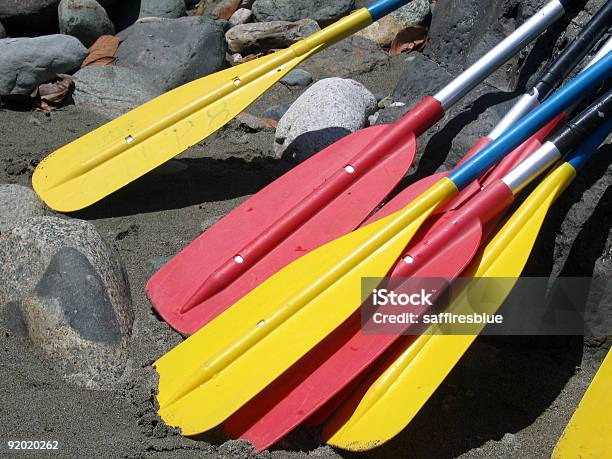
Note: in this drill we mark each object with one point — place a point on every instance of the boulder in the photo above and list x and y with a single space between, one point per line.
111 91
2 31
383 31
67 289
240 16
298 77
326 112
85 20
173 51
351 56
324 12
127 12
17 204
219 9
33 14
28 62
264 36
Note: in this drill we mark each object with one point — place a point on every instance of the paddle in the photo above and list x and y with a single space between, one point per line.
408 376
589 432
327 196
314 385
103 161
234 357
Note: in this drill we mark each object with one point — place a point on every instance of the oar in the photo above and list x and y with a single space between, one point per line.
226 363
325 197
589 432
314 385
402 383
105 160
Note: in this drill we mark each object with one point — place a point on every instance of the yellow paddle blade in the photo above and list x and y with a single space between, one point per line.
221 367
99 163
398 394
589 432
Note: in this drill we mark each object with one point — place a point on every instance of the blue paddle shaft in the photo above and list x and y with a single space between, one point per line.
381 8
532 122
590 145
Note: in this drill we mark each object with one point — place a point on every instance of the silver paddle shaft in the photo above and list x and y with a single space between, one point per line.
495 58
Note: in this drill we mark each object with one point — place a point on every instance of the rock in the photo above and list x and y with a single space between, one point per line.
85 20
276 112
298 77
351 56
326 112
218 9
33 14
2 31
71 294
28 62
382 31
18 203
264 36
240 16
173 51
162 9
111 91
324 12
414 13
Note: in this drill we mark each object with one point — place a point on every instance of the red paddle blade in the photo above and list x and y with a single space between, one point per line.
171 288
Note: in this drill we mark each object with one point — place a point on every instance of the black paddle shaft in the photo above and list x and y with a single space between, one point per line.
575 51
584 124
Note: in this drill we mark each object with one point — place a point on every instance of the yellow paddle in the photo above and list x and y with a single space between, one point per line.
99 163
365 421
217 370
589 432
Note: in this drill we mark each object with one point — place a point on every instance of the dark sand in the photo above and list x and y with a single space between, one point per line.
508 397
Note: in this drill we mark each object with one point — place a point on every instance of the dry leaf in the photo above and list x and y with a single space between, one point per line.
102 52
413 38
48 96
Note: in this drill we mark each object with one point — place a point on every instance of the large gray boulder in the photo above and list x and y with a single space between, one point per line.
17 204
173 51
85 20
264 36
110 90
63 287
326 112
33 14
27 62
324 12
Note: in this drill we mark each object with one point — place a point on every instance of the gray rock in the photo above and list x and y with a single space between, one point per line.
27 62
324 12
85 20
240 16
111 91
276 112
33 14
298 77
220 9
2 31
72 296
414 13
352 56
173 51
264 36
162 8
18 203
326 112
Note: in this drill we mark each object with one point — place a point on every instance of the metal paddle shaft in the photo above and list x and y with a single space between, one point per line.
356 424
233 358
105 160
261 236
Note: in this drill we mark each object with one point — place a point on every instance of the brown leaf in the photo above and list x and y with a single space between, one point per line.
102 52
413 38
48 96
